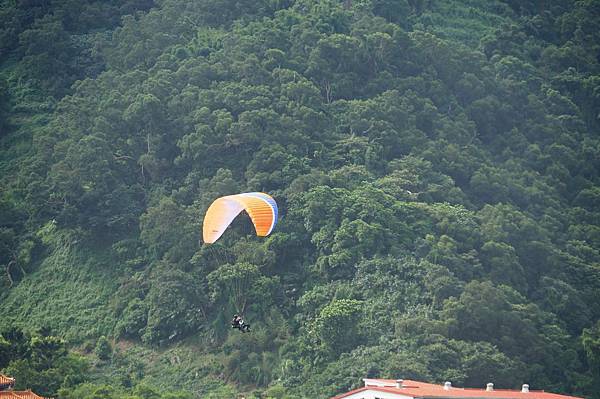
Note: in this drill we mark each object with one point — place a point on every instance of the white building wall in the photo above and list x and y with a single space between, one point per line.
371 394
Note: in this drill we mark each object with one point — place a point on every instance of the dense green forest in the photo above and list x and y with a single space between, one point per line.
436 165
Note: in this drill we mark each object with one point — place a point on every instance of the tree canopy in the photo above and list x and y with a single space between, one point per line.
436 165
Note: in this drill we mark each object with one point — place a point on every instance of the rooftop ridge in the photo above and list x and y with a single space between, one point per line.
400 388
501 390
407 384
6 390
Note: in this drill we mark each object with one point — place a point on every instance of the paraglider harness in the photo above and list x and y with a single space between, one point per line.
238 322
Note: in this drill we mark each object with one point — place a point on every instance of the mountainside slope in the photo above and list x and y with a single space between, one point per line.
436 165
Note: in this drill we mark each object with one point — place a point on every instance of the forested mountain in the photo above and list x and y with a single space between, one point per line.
436 165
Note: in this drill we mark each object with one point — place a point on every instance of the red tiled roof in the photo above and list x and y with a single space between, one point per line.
5 380
19 395
417 389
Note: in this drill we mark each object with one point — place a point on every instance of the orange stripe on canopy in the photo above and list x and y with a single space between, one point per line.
261 208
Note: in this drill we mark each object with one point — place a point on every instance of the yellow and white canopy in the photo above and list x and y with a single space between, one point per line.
261 208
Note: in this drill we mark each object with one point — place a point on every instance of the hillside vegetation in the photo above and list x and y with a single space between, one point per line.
436 165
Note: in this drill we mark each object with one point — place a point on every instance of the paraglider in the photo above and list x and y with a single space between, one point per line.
263 212
261 208
240 324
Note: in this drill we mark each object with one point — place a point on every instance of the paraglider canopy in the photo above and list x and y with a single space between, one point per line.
261 208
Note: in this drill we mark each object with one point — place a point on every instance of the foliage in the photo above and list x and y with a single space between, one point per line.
103 349
41 362
436 166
